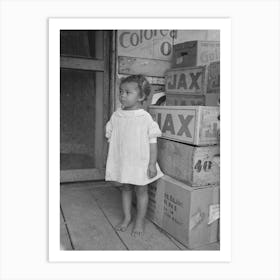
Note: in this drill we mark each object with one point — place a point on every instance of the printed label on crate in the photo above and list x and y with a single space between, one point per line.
209 51
178 125
213 79
214 213
173 209
186 80
196 219
209 124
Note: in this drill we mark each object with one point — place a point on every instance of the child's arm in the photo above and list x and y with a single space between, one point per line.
153 151
108 129
153 132
152 171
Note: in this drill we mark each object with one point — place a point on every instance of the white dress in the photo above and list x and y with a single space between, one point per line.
129 134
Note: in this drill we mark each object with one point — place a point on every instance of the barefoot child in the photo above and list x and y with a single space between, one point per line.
132 157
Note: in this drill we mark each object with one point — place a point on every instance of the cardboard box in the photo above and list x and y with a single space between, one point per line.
188 80
195 166
189 214
196 125
213 77
195 53
185 100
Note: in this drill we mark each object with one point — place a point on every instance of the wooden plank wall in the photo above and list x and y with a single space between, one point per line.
149 52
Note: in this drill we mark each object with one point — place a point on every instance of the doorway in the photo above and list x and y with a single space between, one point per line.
84 103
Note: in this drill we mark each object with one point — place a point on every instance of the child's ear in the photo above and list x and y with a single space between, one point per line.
141 99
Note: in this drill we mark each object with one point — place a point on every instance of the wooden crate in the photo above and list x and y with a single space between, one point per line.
212 99
190 215
195 53
213 77
188 80
196 166
196 125
184 100
209 99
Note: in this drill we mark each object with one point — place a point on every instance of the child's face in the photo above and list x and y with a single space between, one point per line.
129 94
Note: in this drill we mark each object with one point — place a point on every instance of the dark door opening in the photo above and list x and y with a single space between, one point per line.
84 103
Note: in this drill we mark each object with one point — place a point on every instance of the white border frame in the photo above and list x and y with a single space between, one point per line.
57 255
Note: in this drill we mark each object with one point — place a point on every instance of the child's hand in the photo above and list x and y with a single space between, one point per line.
152 170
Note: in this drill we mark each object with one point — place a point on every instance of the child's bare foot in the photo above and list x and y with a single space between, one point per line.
138 230
122 226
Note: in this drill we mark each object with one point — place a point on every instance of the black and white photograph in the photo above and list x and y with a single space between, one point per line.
139 139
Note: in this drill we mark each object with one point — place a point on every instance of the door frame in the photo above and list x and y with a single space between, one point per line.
103 109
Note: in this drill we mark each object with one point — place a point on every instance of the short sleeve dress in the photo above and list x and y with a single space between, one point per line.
129 134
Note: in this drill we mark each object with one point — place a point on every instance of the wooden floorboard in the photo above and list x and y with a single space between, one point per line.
88 227
103 199
88 185
109 200
178 244
209 247
65 243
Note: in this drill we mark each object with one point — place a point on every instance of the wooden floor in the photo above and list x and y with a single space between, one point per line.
89 213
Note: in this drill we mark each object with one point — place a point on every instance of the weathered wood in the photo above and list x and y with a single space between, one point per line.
100 97
195 53
65 243
107 41
196 125
212 99
113 70
196 166
88 185
185 212
109 199
88 227
144 66
184 100
155 44
74 175
151 80
209 247
81 63
188 80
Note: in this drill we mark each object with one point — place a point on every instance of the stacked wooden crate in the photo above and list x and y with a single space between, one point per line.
194 78
185 202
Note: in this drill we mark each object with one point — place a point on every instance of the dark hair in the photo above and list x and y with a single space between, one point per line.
142 82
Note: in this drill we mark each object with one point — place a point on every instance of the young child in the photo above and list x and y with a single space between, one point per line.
132 157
